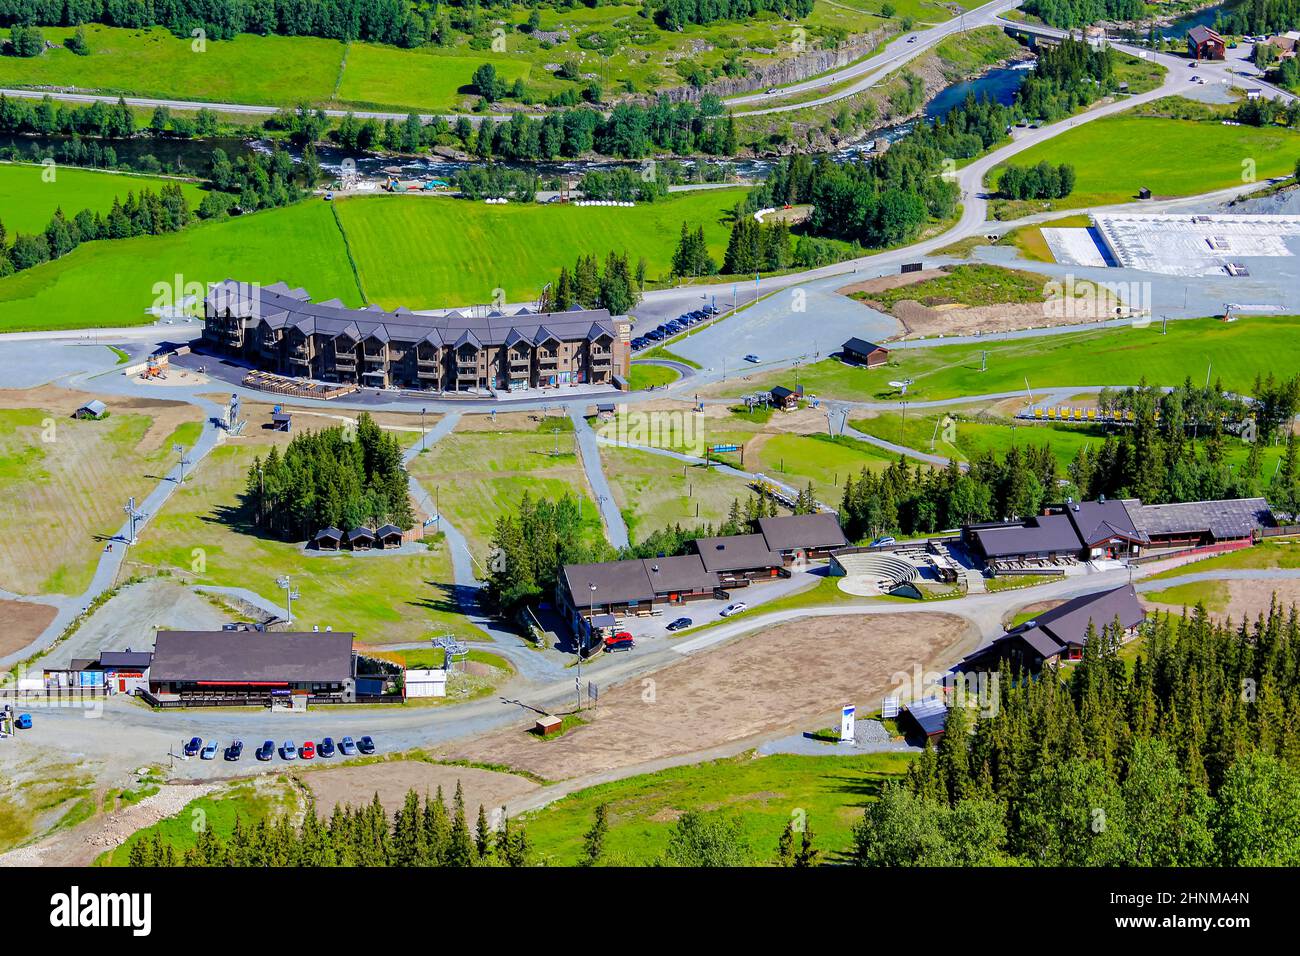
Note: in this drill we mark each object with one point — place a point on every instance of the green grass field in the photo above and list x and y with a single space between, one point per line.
285 71
1213 594
1234 352
1276 553
655 492
968 285
764 793
28 197
1114 157
259 70
74 475
478 474
425 252
203 536
646 376
111 283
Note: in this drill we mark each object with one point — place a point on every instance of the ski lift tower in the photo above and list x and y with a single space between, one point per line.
454 649
133 515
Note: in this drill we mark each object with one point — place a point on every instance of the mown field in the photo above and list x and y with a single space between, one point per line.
75 476
111 283
285 71
1115 157
204 536
763 793
426 252
28 197
1234 352
653 491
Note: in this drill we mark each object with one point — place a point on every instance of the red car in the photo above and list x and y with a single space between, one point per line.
307 751
621 641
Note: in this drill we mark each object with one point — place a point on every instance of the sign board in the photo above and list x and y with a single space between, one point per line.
846 722
911 267
889 708
593 692
721 448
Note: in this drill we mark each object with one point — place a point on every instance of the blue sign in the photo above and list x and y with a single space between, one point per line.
722 448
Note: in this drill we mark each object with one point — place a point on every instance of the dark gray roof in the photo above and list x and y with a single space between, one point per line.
737 552
617 582
684 572
930 714
387 530
252 656
1099 521
1232 518
94 406
1043 534
328 534
280 308
1067 624
357 534
125 658
856 344
795 532
637 579
1199 34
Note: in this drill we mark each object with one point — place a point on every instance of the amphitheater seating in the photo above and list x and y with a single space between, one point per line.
873 572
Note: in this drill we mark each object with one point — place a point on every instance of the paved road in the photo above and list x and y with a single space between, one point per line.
874 68
589 455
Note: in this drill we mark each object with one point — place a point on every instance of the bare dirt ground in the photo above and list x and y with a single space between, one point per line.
62 402
392 781
775 681
922 321
1246 599
21 623
80 846
258 414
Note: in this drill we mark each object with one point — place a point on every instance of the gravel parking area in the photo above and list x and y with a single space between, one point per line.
762 684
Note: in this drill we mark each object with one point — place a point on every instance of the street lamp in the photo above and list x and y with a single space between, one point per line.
591 614
180 453
290 595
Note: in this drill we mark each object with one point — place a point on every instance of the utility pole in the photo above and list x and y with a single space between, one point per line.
591 614
422 431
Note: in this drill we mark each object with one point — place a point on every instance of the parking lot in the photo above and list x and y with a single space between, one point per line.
653 631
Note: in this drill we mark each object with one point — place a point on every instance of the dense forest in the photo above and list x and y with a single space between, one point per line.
336 477
1069 14
1191 758
1181 456
398 22
416 834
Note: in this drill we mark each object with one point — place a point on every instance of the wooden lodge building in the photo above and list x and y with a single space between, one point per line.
251 666
1205 44
1059 634
642 585
280 330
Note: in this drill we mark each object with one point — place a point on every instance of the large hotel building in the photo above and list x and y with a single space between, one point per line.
278 329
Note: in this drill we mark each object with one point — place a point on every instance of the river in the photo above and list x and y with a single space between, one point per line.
194 156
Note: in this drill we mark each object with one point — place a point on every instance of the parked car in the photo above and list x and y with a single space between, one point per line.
266 751
307 751
752 358
911 39
884 539
326 748
235 750
194 746
209 752
736 608
288 751
680 624
348 747
771 91
366 744
619 642
23 722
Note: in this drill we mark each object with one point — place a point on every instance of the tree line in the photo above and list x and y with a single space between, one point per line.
677 14
335 477
617 288
424 834
147 214
1068 14
1192 758
1042 181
